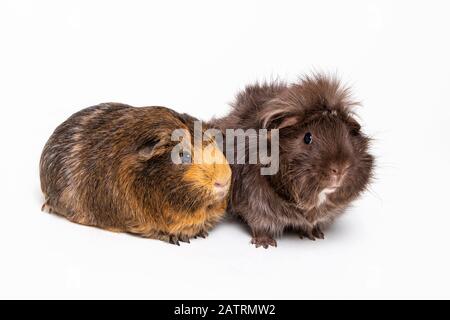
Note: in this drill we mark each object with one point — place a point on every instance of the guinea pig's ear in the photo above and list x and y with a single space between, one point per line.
277 114
151 148
353 126
186 118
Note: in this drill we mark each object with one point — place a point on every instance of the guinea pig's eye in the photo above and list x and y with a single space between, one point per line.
185 157
308 138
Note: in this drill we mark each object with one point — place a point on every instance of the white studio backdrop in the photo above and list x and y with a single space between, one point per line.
57 57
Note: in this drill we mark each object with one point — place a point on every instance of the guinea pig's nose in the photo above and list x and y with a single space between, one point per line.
334 170
337 172
221 184
221 188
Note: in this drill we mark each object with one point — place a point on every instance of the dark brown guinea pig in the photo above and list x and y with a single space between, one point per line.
110 166
324 161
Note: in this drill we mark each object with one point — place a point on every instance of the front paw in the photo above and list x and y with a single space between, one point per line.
315 233
264 241
172 239
202 234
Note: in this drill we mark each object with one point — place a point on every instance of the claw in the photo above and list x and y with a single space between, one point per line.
310 234
46 208
184 239
264 241
317 232
203 234
174 240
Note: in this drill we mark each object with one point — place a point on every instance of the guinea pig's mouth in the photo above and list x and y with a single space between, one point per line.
220 195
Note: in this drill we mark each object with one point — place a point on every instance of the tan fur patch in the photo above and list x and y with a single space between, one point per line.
193 223
213 168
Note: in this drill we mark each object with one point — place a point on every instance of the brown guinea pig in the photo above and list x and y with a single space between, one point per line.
324 161
110 166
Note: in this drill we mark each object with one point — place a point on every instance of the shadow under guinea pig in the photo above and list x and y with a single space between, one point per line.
236 222
336 230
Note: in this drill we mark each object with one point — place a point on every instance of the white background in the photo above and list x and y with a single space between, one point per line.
57 57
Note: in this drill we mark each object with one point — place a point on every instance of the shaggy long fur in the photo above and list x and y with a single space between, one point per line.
299 196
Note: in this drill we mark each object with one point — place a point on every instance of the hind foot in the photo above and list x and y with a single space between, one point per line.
317 232
172 239
47 208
